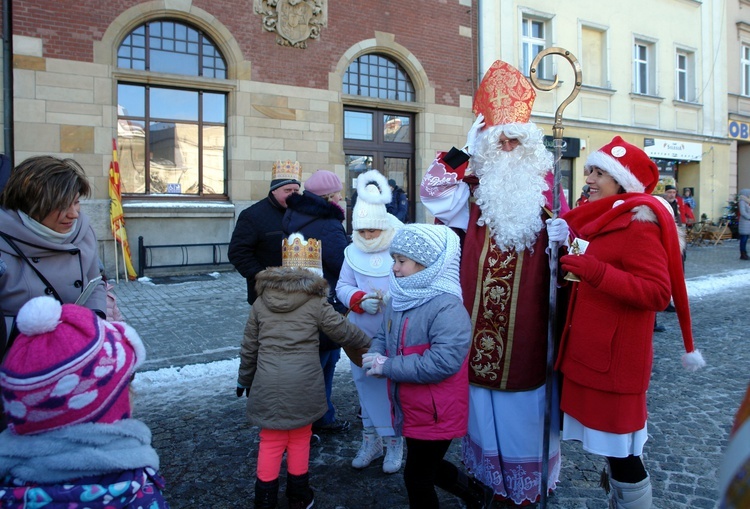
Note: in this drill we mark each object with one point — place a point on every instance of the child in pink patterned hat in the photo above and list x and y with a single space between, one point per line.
70 440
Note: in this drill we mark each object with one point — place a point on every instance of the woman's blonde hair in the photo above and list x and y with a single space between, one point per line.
43 184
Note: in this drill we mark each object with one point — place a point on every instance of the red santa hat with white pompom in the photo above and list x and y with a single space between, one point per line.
637 173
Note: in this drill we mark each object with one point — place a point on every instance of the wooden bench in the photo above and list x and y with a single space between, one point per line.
711 234
694 234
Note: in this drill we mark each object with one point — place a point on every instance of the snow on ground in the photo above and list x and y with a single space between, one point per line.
224 373
208 375
703 286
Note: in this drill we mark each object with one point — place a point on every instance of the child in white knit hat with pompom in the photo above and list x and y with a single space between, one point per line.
363 286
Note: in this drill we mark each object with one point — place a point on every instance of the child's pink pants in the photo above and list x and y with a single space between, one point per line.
273 443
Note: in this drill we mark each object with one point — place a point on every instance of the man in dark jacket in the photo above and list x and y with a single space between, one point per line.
399 205
257 236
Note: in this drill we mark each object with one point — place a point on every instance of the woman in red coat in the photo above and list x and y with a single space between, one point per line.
631 267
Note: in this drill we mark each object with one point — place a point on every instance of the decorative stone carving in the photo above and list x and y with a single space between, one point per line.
294 21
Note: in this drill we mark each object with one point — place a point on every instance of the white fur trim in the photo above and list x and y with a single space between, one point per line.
315 270
132 337
617 171
39 315
693 361
368 177
644 214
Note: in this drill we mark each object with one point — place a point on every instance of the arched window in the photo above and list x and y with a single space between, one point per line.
378 76
172 138
379 136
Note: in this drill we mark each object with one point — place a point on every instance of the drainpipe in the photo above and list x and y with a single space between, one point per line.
8 81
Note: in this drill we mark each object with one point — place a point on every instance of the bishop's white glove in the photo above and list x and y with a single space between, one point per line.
471 138
370 303
376 369
557 231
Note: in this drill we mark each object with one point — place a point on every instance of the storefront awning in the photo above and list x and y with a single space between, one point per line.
672 149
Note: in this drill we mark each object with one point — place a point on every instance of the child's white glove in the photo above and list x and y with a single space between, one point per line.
373 364
370 303
386 300
367 360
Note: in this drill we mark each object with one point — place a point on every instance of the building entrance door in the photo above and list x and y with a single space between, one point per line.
381 140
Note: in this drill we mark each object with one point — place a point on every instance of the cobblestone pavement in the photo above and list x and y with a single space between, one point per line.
208 450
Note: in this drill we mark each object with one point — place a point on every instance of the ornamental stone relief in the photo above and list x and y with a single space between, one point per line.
294 21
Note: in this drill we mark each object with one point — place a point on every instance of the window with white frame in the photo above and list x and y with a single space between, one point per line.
594 56
746 70
533 41
643 68
685 75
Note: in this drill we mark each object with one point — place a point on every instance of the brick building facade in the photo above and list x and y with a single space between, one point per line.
230 87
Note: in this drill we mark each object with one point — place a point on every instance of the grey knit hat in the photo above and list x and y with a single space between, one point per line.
422 243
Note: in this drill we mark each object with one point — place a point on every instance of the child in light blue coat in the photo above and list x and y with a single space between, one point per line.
422 349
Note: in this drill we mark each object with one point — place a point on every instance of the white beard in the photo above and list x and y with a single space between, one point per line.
511 185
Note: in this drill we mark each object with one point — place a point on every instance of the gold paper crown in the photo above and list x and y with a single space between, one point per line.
288 170
504 96
298 252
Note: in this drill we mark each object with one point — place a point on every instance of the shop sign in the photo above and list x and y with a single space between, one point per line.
739 130
571 146
672 149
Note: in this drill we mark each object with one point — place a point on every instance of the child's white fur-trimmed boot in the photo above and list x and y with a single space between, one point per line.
371 448
394 454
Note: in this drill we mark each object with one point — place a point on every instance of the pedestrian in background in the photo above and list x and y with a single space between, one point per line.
683 215
363 284
743 203
629 270
257 236
71 440
399 204
687 197
280 371
316 214
584 198
422 348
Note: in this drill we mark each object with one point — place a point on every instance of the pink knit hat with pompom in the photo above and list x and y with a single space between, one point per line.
67 366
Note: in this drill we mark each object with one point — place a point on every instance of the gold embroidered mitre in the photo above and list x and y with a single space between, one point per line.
296 252
504 96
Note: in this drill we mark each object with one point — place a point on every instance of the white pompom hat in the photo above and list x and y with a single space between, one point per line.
373 193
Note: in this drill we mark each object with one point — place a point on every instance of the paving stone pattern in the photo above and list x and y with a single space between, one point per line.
208 451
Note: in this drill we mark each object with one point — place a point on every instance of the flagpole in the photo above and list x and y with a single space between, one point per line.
557 131
117 262
124 264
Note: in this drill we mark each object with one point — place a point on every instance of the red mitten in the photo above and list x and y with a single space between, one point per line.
585 266
355 300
